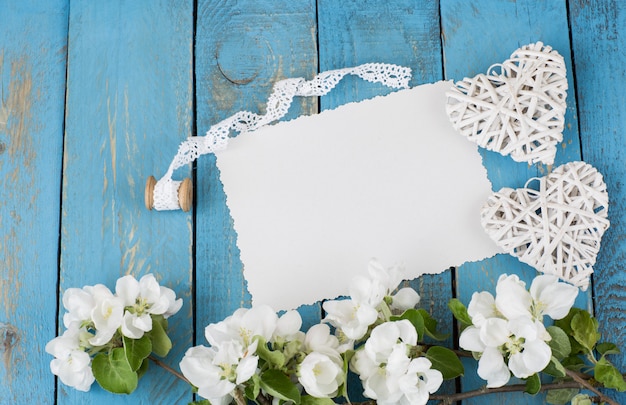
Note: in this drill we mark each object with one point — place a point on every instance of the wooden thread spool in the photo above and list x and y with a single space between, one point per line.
185 194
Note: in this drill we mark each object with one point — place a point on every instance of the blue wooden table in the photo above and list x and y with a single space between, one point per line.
96 96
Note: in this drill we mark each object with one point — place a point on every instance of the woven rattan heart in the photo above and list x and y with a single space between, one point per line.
518 112
557 229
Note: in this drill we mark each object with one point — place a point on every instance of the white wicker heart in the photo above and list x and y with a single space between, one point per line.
519 111
556 229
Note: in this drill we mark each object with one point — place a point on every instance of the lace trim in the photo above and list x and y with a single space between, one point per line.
278 103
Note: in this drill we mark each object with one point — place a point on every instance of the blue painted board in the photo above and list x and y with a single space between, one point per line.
33 43
129 104
598 44
242 49
475 36
403 32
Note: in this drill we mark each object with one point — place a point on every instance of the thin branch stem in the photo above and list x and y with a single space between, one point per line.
451 398
169 369
239 399
262 399
583 382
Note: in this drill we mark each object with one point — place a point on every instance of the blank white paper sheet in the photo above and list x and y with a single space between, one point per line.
314 199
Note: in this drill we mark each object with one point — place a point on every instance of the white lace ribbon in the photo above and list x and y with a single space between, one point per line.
216 138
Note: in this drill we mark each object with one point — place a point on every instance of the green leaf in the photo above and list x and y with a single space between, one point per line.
161 343
415 317
533 384
566 325
445 361
161 320
585 330
607 348
555 368
459 311
136 350
430 325
577 348
274 359
560 345
291 349
573 362
561 396
309 400
253 387
278 385
143 368
608 375
113 372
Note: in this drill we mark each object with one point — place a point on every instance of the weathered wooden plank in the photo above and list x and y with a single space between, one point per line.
129 104
33 40
477 35
598 43
242 49
405 33
402 32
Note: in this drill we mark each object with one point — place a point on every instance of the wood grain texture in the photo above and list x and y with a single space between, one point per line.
599 45
477 35
33 43
129 104
405 33
242 49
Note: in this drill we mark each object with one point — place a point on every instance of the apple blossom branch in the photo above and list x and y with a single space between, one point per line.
579 380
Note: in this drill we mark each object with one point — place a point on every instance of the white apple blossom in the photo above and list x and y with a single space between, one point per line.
388 278
547 296
419 381
529 353
512 299
321 374
231 360
482 307
355 315
288 328
492 368
551 297
508 330
198 366
319 339
71 363
242 326
141 299
351 317
174 305
521 341
405 298
96 319
134 325
490 340
78 303
107 314
388 374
